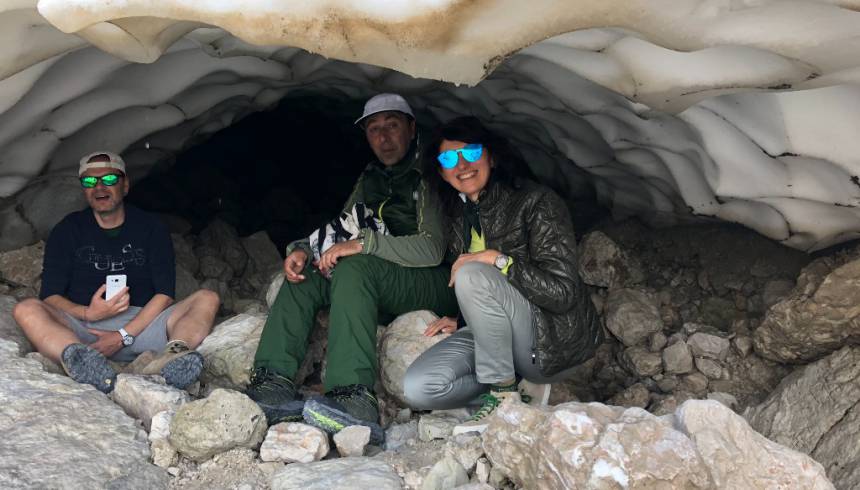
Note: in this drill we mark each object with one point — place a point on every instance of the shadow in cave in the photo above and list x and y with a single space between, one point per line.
284 171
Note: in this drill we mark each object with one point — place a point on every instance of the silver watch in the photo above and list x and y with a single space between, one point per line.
127 338
502 261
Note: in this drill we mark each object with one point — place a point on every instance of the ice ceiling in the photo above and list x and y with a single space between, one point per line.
743 110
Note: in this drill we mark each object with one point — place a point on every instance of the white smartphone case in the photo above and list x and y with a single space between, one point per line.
113 285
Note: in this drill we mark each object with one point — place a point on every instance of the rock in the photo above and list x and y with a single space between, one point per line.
398 434
632 315
24 265
709 367
263 256
775 291
436 426
718 312
212 267
143 397
224 420
401 343
228 352
352 440
184 253
225 239
667 384
677 358
694 383
603 263
576 445
9 329
641 362
743 345
738 457
337 474
61 434
657 342
707 345
224 293
163 453
44 202
186 283
726 399
475 486
635 396
447 473
482 470
276 281
819 316
15 231
815 410
290 442
466 448
47 364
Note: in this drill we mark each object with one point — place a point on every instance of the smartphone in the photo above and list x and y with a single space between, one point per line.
113 285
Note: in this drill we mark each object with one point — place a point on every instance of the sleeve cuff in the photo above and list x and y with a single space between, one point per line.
508 266
369 241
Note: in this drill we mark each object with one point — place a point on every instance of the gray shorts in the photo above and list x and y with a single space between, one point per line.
154 337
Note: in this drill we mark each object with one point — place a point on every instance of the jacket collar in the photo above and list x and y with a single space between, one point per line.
489 195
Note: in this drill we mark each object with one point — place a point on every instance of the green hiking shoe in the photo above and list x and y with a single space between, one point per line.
345 406
479 421
276 395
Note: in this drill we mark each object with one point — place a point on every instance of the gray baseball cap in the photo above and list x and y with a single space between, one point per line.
113 161
385 102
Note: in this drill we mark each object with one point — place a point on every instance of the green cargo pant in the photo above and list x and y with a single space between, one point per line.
361 287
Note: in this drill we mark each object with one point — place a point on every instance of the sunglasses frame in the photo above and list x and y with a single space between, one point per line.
100 179
471 153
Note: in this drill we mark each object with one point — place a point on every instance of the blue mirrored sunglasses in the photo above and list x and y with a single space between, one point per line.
471 153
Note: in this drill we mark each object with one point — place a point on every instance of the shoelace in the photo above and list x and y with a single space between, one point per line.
490 404
269 381
342 393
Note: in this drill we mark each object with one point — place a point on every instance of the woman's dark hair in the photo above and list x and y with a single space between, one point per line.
509 167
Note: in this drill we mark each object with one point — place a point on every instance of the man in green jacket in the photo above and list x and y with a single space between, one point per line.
392 274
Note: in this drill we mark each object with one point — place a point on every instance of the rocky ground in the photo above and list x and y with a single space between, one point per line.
729 363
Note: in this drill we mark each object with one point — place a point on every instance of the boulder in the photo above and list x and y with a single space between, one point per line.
603 263
401 343
709 346
447 473
186 283
816 410
9 329
634 396
223 237
223 421
144 396
228 352
61 434
184 252
263 256
15 231
290 442
352 440
44 202
164 454
677 358
24 265
641 362
632 315
212 267
819 316
337 474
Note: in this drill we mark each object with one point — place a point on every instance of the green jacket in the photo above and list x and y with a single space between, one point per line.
410 212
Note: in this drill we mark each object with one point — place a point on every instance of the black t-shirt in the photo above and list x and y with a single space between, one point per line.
79 256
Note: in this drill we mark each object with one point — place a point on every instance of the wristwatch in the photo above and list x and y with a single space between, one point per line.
127 338
502 261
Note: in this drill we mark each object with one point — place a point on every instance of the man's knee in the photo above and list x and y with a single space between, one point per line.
208 299
355 268
24 309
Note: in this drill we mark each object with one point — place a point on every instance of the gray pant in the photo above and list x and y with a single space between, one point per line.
154 337
494 347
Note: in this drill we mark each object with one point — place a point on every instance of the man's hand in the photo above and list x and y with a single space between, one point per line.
294 264
330 257
446 324
99 309
487 256
108 343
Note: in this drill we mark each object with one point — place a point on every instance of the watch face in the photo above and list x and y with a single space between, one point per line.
128 340
501 261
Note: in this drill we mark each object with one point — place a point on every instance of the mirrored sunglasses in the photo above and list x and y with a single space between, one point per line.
110 179
471 153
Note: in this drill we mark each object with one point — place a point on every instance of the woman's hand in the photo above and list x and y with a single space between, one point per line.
487 256
446 324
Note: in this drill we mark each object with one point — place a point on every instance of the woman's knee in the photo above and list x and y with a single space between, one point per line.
474 279
422 388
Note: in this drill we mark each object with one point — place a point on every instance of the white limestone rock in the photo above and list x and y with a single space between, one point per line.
337 474
224 420
57 433
632 315
144 396
447 473
401 343
738 457
9 329
291 442
228 352
436 426
816 410
603 263
466 448
164 454
276 280
352 440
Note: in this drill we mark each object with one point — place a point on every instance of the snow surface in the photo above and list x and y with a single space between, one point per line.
674 110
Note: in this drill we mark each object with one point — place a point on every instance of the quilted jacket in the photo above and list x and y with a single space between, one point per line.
532 224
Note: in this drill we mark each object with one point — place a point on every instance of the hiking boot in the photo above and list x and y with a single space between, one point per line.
534 393
479 421
86 365
345 406
276 395
179 365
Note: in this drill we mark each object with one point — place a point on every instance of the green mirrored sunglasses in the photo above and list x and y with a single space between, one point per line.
110 179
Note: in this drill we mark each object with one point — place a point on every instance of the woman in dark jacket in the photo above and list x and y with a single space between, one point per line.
526 311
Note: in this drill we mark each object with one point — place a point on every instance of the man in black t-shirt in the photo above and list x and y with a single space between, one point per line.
74 324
